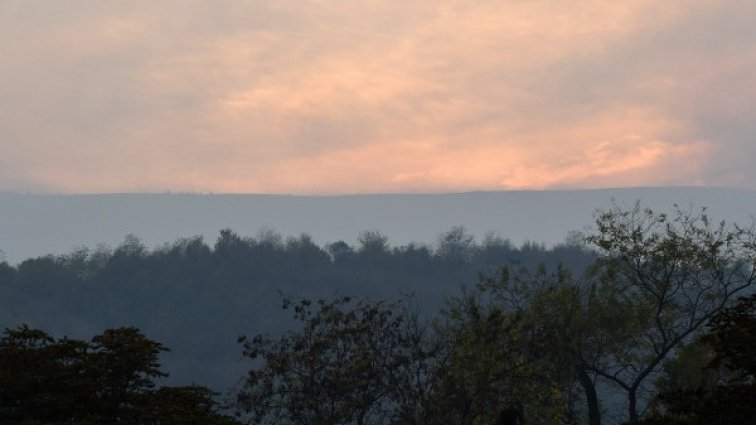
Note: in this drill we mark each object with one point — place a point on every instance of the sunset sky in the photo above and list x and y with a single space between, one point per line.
351 96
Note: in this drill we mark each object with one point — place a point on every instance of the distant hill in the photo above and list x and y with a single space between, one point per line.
34 225
197 296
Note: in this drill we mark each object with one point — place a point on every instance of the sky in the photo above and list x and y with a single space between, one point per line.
375 96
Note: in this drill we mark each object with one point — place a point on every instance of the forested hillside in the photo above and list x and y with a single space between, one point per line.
633 321
197 297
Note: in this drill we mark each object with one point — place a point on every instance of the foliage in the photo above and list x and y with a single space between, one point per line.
732 337
352 362
494 360
688 370
198 297
572 322
656 282
189 405
544 345
363 362
106 380
678 272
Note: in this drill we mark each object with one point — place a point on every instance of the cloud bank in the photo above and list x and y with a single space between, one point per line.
341 96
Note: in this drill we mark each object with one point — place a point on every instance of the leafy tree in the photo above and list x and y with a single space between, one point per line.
677 272
7 274
494 367
340 251
352 362
732 337
456 245
124 364
303 251
123 265
374 363
568 324
191 405
656 282
107 380
40 379
373 243
688 370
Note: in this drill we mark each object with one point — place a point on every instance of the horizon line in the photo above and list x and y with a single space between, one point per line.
359 194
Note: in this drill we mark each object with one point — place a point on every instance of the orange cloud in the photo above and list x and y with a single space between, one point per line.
586 155
375 96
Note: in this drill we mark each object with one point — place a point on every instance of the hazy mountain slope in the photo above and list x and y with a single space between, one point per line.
197 305
198 298
33 225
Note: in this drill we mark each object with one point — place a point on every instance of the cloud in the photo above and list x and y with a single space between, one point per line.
375 96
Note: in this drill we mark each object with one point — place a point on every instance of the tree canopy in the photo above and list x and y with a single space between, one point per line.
631 321
107 380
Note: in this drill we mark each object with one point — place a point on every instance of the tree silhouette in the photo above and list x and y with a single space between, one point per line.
732 337
107 380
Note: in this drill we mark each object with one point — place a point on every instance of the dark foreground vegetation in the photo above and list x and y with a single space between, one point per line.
108 380
638 321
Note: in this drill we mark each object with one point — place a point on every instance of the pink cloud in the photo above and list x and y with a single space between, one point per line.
375 96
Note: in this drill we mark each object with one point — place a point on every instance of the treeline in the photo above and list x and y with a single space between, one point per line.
197 298
645 328
357 362
652 333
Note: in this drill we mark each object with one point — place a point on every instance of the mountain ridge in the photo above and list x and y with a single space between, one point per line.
38 224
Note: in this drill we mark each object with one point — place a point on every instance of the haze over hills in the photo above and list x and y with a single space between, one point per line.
198 296
35 225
